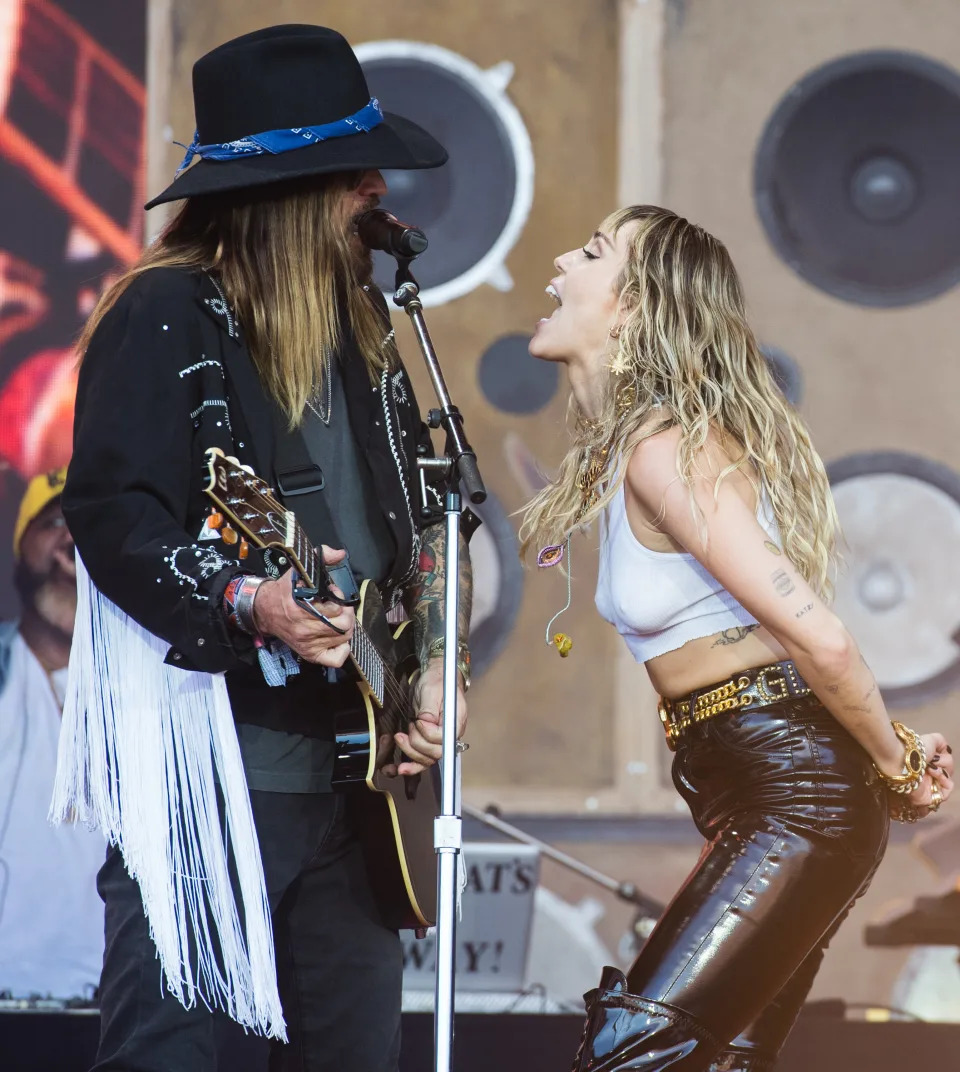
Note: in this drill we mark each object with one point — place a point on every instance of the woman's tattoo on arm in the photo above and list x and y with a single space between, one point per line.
782 583
428 592
733 636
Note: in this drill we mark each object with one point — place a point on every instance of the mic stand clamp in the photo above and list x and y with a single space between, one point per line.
459 465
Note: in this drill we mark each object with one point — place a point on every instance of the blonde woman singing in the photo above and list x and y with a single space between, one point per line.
717 541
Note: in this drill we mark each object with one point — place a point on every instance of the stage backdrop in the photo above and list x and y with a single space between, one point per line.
71 183
555 114
818 141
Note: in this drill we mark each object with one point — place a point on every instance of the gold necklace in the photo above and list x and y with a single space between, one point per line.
588 478
592 468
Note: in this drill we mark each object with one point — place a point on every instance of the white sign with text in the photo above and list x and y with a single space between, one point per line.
494 935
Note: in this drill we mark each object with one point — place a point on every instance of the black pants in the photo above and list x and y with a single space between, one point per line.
339 967
796 823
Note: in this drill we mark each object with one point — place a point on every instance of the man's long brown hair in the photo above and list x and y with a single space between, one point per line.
283 258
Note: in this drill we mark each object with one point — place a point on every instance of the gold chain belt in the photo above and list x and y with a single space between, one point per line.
749 691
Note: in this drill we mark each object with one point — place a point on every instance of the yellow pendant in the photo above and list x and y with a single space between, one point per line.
563 644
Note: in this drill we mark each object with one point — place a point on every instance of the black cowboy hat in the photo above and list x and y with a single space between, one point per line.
288 79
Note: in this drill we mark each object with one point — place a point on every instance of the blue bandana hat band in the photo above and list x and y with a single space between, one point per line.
286 140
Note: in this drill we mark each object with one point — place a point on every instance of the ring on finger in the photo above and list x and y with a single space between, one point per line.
936 797
462 746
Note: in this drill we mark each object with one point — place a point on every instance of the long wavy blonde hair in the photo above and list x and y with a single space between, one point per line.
282 256
686 357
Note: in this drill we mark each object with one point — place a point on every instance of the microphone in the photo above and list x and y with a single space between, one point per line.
382 230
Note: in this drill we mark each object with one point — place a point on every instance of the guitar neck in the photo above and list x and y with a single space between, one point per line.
364 654
369 663
250 504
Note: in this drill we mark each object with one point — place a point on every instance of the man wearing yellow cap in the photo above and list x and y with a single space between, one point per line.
51 919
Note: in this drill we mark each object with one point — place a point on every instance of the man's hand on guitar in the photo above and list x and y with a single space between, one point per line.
422 743
277 614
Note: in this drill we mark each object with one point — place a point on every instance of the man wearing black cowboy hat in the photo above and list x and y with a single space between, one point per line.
235 879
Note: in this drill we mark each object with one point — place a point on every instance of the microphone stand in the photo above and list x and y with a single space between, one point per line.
459 464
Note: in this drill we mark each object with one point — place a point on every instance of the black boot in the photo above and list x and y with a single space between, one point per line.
624 1031
737 1060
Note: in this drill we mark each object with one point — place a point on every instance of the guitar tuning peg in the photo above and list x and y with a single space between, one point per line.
229 535
244 549
214 520
248 469
234 461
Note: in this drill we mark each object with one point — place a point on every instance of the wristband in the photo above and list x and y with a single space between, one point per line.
238 600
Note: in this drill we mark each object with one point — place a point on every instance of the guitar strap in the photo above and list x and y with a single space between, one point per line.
301 480
295 476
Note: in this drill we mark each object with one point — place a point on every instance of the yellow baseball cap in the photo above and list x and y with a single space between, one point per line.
43 489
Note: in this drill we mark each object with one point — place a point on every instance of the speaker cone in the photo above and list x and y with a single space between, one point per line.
512 380
474 207
857 178
899 590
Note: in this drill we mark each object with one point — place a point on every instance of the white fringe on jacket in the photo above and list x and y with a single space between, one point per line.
143 748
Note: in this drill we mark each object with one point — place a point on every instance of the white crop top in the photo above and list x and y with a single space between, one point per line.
659 600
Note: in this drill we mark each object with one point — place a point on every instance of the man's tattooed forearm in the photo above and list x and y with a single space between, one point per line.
782 583
427 594
426 575
733 636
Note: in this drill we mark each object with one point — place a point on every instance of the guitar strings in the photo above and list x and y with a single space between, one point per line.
392 687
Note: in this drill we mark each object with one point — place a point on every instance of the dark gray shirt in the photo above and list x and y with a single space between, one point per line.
348 483
276 760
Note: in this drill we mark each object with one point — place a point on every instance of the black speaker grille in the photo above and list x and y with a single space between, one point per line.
857 178
465 205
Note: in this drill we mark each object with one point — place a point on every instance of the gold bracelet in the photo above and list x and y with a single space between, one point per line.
902 811
914 762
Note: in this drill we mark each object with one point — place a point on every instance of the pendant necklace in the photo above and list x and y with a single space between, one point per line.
587 481
321 399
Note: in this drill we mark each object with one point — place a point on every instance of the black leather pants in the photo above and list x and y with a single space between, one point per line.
796 824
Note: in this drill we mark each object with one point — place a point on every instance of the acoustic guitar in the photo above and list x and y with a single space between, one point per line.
396 812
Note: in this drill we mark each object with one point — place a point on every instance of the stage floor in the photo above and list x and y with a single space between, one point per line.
65 1042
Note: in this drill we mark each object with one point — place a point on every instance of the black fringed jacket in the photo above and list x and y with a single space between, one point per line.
161 382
